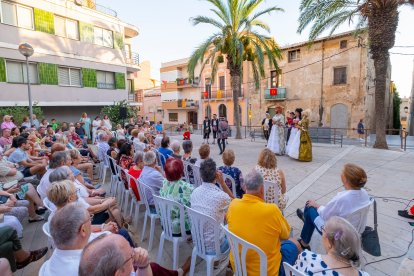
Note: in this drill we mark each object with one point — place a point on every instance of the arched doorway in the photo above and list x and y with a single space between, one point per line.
339 117
222 110
208 111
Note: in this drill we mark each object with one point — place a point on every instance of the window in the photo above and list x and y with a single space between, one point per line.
294 55
339 75
103 37
16 15
106 80
69 76
173 117
274 79
17 72
343 44
222 83
66 27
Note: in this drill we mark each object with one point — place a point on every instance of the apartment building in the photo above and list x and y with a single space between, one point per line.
82 59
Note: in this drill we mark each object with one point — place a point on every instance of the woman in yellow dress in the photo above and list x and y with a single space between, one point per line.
301 147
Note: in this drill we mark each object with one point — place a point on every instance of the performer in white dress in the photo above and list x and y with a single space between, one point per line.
295 130
277 143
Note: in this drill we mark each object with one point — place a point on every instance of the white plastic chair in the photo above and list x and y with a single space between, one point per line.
227 178
271 191
144 191
199 225
358 219
196 174
46 230
239 258
49 205
114 177
291 271
135 203
165 207
122 191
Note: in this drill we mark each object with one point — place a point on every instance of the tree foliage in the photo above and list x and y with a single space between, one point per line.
381 19
238 38
113 112
19 112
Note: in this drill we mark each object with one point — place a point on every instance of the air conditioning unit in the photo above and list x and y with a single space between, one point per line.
78 2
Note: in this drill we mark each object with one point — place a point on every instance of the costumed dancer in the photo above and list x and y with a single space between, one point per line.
301 148
276 141
294 129
289 124
267 126
206 129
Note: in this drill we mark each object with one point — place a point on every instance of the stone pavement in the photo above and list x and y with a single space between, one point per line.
390 174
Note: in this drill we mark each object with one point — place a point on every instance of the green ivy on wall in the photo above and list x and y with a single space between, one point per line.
86 32
119 80
89 77
48 73
44 21
2 70
119 40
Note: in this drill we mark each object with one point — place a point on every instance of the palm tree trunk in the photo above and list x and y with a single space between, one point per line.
381 66
236 87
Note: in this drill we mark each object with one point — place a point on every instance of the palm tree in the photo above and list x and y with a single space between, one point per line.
237 38
381 16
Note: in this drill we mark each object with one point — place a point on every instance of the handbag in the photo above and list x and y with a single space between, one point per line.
370 238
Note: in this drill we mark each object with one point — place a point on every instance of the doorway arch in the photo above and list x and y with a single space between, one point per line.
339 117
222 110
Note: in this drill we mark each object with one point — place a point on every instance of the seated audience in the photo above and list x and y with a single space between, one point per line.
139 141
113 150
11 249
7 122
120 259
234 172
164 150
267 167
204 152
27 166
152 176
263 225
125 157
343 204
77 165
6 139
188 148
102 145
176 189
343 251
58 159
176 148
135 171
212 201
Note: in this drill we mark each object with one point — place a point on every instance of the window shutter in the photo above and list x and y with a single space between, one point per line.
64 76
9 13
72 29
25 17
34 75
100 77
60 26
110 80
75 78
14 72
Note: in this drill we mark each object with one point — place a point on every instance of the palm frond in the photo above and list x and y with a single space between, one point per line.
206 20
198 54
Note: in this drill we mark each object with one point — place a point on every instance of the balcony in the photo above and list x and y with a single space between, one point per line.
220 94
186 82
132 61
91 4
275 94
181 104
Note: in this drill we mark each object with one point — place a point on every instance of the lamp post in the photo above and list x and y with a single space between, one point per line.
27 50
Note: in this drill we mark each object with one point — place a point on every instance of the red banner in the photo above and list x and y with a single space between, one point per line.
273 91
205 95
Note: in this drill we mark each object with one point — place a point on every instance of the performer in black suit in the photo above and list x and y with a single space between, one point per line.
214 125
267 126
206 129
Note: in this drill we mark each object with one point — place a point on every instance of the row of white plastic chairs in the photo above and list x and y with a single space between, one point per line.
164 207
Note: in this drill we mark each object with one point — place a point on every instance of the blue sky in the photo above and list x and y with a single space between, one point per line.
166 32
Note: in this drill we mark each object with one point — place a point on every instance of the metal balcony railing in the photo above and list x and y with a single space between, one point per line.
93 5
220 94
277 93
131 58
103 85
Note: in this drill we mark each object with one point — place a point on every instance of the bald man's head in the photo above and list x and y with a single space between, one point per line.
105 256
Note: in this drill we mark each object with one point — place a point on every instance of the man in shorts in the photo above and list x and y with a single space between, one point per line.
27 166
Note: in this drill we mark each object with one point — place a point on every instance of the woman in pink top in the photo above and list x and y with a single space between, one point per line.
7 123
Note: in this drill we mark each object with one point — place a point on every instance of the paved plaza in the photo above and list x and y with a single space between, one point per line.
390 174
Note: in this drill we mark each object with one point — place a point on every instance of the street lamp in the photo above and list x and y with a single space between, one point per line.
27 50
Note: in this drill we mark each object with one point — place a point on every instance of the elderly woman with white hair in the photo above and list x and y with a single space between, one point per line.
176 148
343 251
301 147
139 144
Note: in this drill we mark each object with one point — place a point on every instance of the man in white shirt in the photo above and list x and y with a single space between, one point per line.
70 228
152 175
212 201
57 160
103 145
